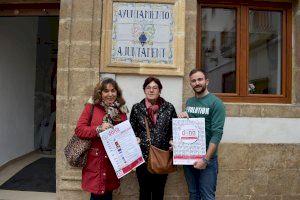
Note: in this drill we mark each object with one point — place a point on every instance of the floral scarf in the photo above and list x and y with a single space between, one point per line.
152 110
113 112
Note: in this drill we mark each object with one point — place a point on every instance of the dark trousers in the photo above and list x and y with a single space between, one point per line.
152 186
106 196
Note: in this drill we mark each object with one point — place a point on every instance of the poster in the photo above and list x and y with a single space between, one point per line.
189 140
122 148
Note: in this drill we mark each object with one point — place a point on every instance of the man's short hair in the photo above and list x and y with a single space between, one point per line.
198 70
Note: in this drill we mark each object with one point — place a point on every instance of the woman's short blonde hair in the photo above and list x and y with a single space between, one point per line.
97 97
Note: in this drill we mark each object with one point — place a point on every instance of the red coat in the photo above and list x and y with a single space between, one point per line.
98 176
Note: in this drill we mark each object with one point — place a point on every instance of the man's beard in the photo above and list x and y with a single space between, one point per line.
203 88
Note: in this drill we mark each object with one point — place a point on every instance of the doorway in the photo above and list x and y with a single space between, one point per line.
28 66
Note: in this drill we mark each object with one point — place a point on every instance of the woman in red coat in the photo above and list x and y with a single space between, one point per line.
107 108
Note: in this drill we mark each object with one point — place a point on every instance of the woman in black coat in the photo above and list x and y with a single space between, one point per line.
159 113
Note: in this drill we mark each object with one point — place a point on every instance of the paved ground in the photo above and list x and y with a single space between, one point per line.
11 169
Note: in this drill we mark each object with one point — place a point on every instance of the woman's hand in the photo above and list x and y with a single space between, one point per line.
138 140
183 115
103 127
106 126
171 145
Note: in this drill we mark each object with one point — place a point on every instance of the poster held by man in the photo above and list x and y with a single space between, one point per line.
188 140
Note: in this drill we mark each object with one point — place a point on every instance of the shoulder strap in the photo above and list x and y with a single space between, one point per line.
147 129
91 114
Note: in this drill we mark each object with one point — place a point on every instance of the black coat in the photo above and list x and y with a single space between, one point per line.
161 132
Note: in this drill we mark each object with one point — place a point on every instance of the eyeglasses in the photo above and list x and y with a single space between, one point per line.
153 88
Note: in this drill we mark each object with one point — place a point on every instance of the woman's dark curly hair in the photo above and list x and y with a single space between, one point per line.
97 97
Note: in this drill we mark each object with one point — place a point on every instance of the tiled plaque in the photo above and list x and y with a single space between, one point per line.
142 33
143 38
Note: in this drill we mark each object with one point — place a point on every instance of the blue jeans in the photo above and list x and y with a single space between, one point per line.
202 183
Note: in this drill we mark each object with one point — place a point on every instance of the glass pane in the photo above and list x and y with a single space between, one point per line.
265 35
218 51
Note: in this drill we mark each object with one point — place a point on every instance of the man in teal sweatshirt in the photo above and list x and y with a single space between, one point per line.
202 176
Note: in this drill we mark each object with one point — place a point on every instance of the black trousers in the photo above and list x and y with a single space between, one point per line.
152 186
106 196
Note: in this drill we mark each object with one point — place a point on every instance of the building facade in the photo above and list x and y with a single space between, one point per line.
259 154
251 50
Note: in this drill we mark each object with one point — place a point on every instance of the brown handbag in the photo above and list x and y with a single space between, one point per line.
159 161
76 149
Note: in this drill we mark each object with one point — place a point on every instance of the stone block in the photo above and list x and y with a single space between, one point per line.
291 185
291 197
62 83
95 56
61 117
239 182
74 195
259 182
63 56
222 182
96 30
129 186
191 32
191 5
60 144
65 9
289 111
82 9
76 106
276 182
232 110
190 59
176 184
267 197
81 30
292 156
97 13
80 56
228 197
267 156
297 86
250 111
297 39
234 156
80 82
64 30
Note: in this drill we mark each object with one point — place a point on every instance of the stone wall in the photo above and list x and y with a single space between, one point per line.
247 171
77 73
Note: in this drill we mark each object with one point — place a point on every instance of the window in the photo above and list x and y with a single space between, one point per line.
246 50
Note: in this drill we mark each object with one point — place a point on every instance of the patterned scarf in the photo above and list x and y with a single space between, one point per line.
152 110
113 112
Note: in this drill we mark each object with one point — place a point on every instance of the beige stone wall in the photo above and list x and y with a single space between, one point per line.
247 171
77 73
259 171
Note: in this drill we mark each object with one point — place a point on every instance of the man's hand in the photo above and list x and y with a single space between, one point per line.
183 115
200 164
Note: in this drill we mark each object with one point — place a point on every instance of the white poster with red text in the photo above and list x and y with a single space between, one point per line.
122 148
189 142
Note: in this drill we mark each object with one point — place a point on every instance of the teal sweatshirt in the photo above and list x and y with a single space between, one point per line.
212 109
